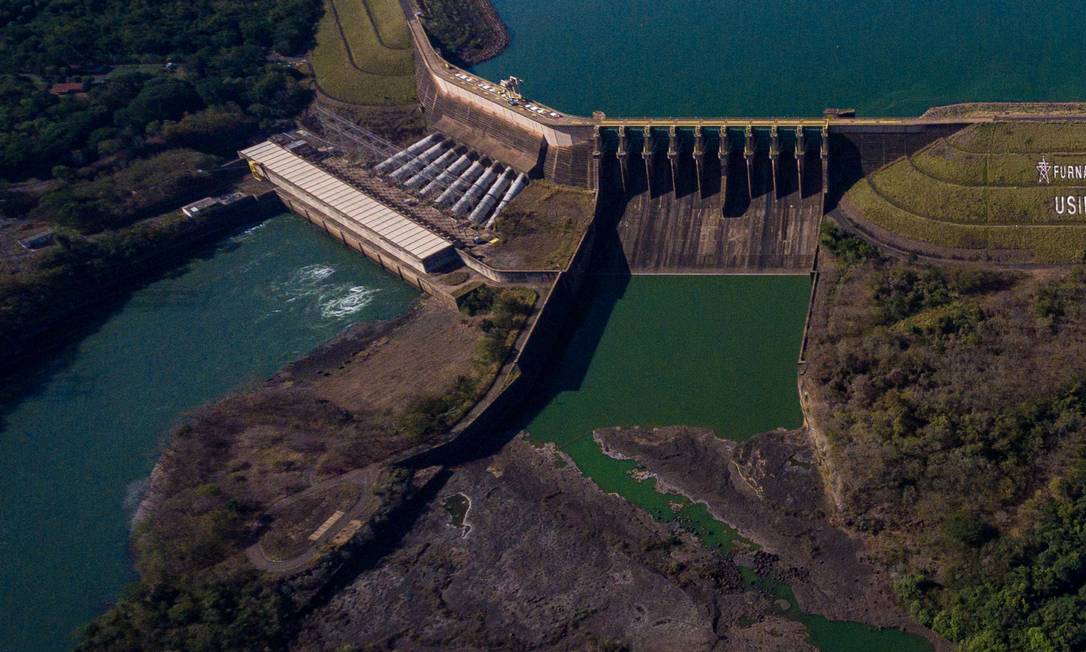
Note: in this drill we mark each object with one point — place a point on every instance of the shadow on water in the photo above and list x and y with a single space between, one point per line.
576 351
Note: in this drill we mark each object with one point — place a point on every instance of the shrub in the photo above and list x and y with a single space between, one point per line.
968 528
479 300
845 246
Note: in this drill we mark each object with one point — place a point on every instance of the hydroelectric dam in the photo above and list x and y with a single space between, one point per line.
700 195
696 195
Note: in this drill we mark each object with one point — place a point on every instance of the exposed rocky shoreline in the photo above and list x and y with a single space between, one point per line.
770 490
494 27
480 18
546 560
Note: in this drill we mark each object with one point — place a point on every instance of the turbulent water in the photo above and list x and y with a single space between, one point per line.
79 436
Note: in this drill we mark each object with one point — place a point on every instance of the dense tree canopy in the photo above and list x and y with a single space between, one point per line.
219 55
45 36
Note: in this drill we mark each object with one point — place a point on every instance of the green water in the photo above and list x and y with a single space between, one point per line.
713 351
78 437
789 57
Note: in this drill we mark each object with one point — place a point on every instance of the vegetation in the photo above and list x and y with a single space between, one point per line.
145 188
167 87
846 247
1021 591
1048 243
76 271
238 612
502 314
219 49
364 53
953 403
224 467
978 190
466 32
229 464
389 19
1023 138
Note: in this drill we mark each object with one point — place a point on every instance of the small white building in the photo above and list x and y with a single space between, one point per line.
201 206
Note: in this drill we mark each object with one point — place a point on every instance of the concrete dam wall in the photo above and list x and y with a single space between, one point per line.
698 195
715 201
738 199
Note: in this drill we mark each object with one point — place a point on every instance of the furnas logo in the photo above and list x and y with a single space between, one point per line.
1044 168
1064 204
1046 172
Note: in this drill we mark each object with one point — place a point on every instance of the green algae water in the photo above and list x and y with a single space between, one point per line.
79 435
712 351
787 57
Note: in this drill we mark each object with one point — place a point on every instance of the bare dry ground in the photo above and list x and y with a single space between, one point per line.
388 366
334 411
541 227
546 560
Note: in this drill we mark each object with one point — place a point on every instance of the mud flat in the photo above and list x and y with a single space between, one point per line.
550 562
770 490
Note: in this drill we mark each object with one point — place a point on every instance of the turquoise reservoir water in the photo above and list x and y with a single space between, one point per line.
790 57
78 436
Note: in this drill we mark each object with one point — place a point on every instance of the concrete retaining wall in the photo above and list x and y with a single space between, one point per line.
519 382
560 153
506 276
339 231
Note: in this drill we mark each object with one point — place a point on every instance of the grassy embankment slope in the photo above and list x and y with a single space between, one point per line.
978 189
363 53
951 404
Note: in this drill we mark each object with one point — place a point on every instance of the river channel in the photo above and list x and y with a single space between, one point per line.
80 434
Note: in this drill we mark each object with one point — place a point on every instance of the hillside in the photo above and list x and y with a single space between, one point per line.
980 190
950 411
363 53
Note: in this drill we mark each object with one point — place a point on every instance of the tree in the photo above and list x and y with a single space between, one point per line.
163 99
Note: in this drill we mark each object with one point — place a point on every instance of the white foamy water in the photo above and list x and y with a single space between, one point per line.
312 274
305 283
343 305
247 233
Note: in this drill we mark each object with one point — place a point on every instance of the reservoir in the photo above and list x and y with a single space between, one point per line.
79 435
789 57
712 351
